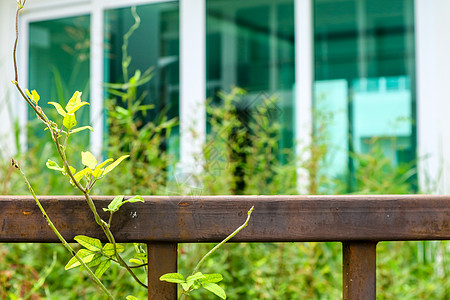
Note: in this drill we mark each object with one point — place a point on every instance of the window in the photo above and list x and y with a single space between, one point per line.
60 50
155 45
59 64
250 44
364 79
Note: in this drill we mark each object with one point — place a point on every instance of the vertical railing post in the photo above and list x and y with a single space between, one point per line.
162 259
359 270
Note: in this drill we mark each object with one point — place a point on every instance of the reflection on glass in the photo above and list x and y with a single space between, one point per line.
59 65
154 44
364 78
250 44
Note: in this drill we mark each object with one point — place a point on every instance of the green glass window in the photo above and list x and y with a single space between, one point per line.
364 80
59 65
250 44
155 45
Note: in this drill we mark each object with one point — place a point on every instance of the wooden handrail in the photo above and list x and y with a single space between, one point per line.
358 221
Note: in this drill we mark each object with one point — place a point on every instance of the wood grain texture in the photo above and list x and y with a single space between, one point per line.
211 218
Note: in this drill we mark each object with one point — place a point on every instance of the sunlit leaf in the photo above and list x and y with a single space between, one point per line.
130 297
172 277
134 199
85 255
118 202
186 286
72 170
104 265
108 249
135 261
78 176
194 277
34 96
74 101
98 170
53 166
88 242
215 289
110 167
77 107
81 129
59 108
88 159
213 278
114 205
141 256
94 262
69 121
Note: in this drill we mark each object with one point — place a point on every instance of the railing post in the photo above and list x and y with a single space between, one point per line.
162 259
359 270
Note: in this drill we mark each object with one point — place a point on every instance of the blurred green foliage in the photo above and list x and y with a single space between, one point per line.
242 155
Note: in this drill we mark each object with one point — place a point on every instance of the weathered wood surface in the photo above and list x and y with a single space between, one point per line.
211 218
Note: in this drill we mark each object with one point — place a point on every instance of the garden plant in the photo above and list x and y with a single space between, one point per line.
94 254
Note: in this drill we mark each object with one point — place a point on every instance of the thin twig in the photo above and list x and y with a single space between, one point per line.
224 241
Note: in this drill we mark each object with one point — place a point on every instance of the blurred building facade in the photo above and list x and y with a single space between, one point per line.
370 74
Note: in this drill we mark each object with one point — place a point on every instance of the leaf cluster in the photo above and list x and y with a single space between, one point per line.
94 254
197 281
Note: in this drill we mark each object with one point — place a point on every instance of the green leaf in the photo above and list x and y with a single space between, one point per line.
215 289
134 199
196 285
194 277
88 242
108 249
77 107
98 170
172 277
33 96
104 265
110 167
69 121
88 159
185 286
130 297
81 129
141 256
76 99
104 163
59 108
72 170
135 261
94 262
85 255
118 202
53 166
213 278
114 205
78 176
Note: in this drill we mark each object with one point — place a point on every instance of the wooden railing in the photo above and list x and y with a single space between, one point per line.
359 222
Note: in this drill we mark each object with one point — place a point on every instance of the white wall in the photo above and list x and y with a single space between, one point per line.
7 90
433 93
